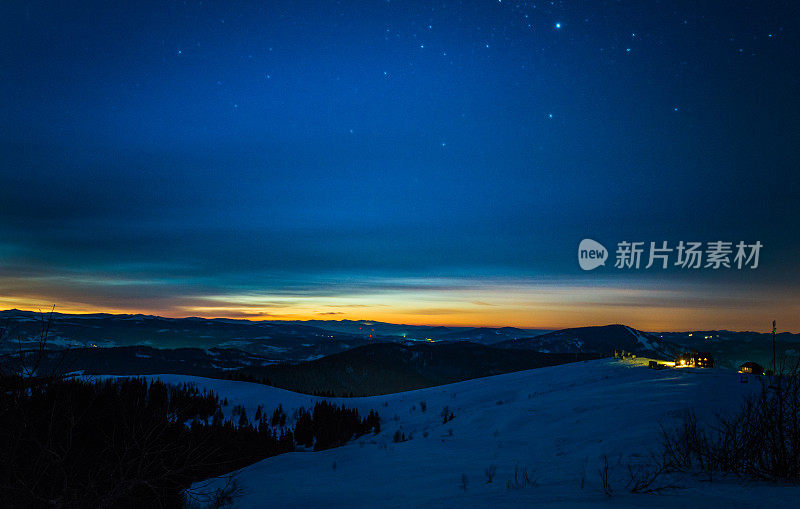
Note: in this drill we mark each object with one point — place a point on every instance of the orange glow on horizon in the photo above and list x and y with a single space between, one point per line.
552 317
476 302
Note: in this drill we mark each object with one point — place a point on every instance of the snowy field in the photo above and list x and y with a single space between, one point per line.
557 423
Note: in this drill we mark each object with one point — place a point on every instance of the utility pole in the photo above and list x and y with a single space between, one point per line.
773 346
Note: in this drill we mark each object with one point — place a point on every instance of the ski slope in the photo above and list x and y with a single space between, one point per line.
556 422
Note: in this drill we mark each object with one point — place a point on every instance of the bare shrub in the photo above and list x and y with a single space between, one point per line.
650 478
521 479
36 365
760 441
203 497
489 472
604 481
582 483
447 415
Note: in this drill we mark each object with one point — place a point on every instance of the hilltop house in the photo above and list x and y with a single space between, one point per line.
695 360
752 368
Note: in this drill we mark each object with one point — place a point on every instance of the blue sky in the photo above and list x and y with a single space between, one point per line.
398 160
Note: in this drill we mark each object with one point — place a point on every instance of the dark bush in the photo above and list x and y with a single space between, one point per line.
760 441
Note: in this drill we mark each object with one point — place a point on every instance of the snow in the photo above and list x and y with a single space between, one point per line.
556 422
643 341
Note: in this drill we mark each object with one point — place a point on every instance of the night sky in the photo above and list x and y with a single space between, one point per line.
417 162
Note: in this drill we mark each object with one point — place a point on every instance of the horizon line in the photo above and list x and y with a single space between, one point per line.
287 320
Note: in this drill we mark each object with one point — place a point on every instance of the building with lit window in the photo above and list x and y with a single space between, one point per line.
695 360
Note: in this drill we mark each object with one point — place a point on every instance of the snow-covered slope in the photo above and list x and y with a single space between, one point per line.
557 423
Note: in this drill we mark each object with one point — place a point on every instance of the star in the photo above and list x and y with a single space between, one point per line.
558 25
549 115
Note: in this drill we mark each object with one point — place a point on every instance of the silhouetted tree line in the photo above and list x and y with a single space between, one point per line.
133 443
128 442
118 443
328 425
278 417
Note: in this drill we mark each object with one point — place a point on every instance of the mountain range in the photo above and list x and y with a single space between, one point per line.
246 344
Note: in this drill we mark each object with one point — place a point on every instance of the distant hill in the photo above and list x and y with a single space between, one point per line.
372 328
141 360
730 349
601 340
482 335
489 335
388 368
379 368
735 348
284 341
289 342
299 341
